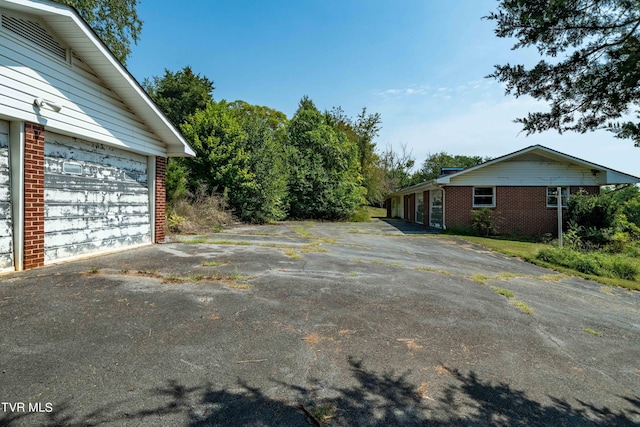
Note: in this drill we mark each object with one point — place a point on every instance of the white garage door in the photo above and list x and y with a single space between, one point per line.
96 198
6 225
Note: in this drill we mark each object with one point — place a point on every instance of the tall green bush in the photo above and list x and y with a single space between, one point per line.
324 179
609 220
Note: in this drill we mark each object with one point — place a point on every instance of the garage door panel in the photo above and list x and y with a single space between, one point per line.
122 234
66 251
6 224
105 199
92 210
96 198
64 148
99 173
108 227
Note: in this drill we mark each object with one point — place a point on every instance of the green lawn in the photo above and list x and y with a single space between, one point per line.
528 252
365 213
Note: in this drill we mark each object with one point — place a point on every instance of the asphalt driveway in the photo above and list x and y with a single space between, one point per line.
299 323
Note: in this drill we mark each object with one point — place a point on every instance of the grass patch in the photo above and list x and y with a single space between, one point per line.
187 279
593 263
211 264
433 270
313 247
303 232
522 307
525 250
377 212
291 253
504 292
94 270
201 240
592 332
529 251
361 215
507 276
388 264
480 278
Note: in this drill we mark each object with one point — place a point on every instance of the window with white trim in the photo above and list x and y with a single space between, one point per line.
552 196
484 197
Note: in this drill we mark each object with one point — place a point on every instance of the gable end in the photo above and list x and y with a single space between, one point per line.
36 33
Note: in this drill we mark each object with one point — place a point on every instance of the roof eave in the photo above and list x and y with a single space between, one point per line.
85 42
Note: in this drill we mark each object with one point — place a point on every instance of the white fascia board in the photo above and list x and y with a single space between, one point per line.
75 32
416 188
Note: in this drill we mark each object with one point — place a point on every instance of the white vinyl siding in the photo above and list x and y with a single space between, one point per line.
6 224
484 197
96 198
532 170
552 199
90 110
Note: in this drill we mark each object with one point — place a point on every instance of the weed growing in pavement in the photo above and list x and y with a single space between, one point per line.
503 292
211 264
522 307
592 332
480 278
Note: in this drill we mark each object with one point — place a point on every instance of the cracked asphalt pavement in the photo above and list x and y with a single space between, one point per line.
303 323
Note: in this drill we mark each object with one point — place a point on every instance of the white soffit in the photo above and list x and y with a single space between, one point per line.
75 32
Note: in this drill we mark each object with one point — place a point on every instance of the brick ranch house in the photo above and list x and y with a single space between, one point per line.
521 187
83 148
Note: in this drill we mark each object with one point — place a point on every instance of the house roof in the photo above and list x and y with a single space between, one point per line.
77 34
611 176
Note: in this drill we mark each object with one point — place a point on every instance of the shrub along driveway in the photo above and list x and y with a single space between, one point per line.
353 324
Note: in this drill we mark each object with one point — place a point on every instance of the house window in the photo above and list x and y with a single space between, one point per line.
72 168
484 197
552 199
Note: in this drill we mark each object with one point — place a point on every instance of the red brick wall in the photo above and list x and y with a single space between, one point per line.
161 199
33 196
523 210
457 206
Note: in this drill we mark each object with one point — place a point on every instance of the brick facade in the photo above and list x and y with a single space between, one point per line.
33 196
161 199
523 210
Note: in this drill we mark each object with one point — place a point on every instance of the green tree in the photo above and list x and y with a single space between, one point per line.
435 162
266 131
596 83
396 167
180 94
115 21
362 131
221 163
324 174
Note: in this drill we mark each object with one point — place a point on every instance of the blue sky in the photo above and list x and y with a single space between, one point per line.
421 64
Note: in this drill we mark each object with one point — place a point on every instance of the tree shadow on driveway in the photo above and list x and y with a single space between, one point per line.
374 400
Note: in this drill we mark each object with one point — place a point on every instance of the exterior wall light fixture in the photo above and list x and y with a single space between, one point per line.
40 102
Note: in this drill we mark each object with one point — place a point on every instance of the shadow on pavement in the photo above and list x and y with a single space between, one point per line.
374 400
407 227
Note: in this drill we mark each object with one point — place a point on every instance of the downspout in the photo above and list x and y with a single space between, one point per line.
16 178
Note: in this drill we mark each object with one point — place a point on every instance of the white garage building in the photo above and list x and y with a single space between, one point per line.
82 147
